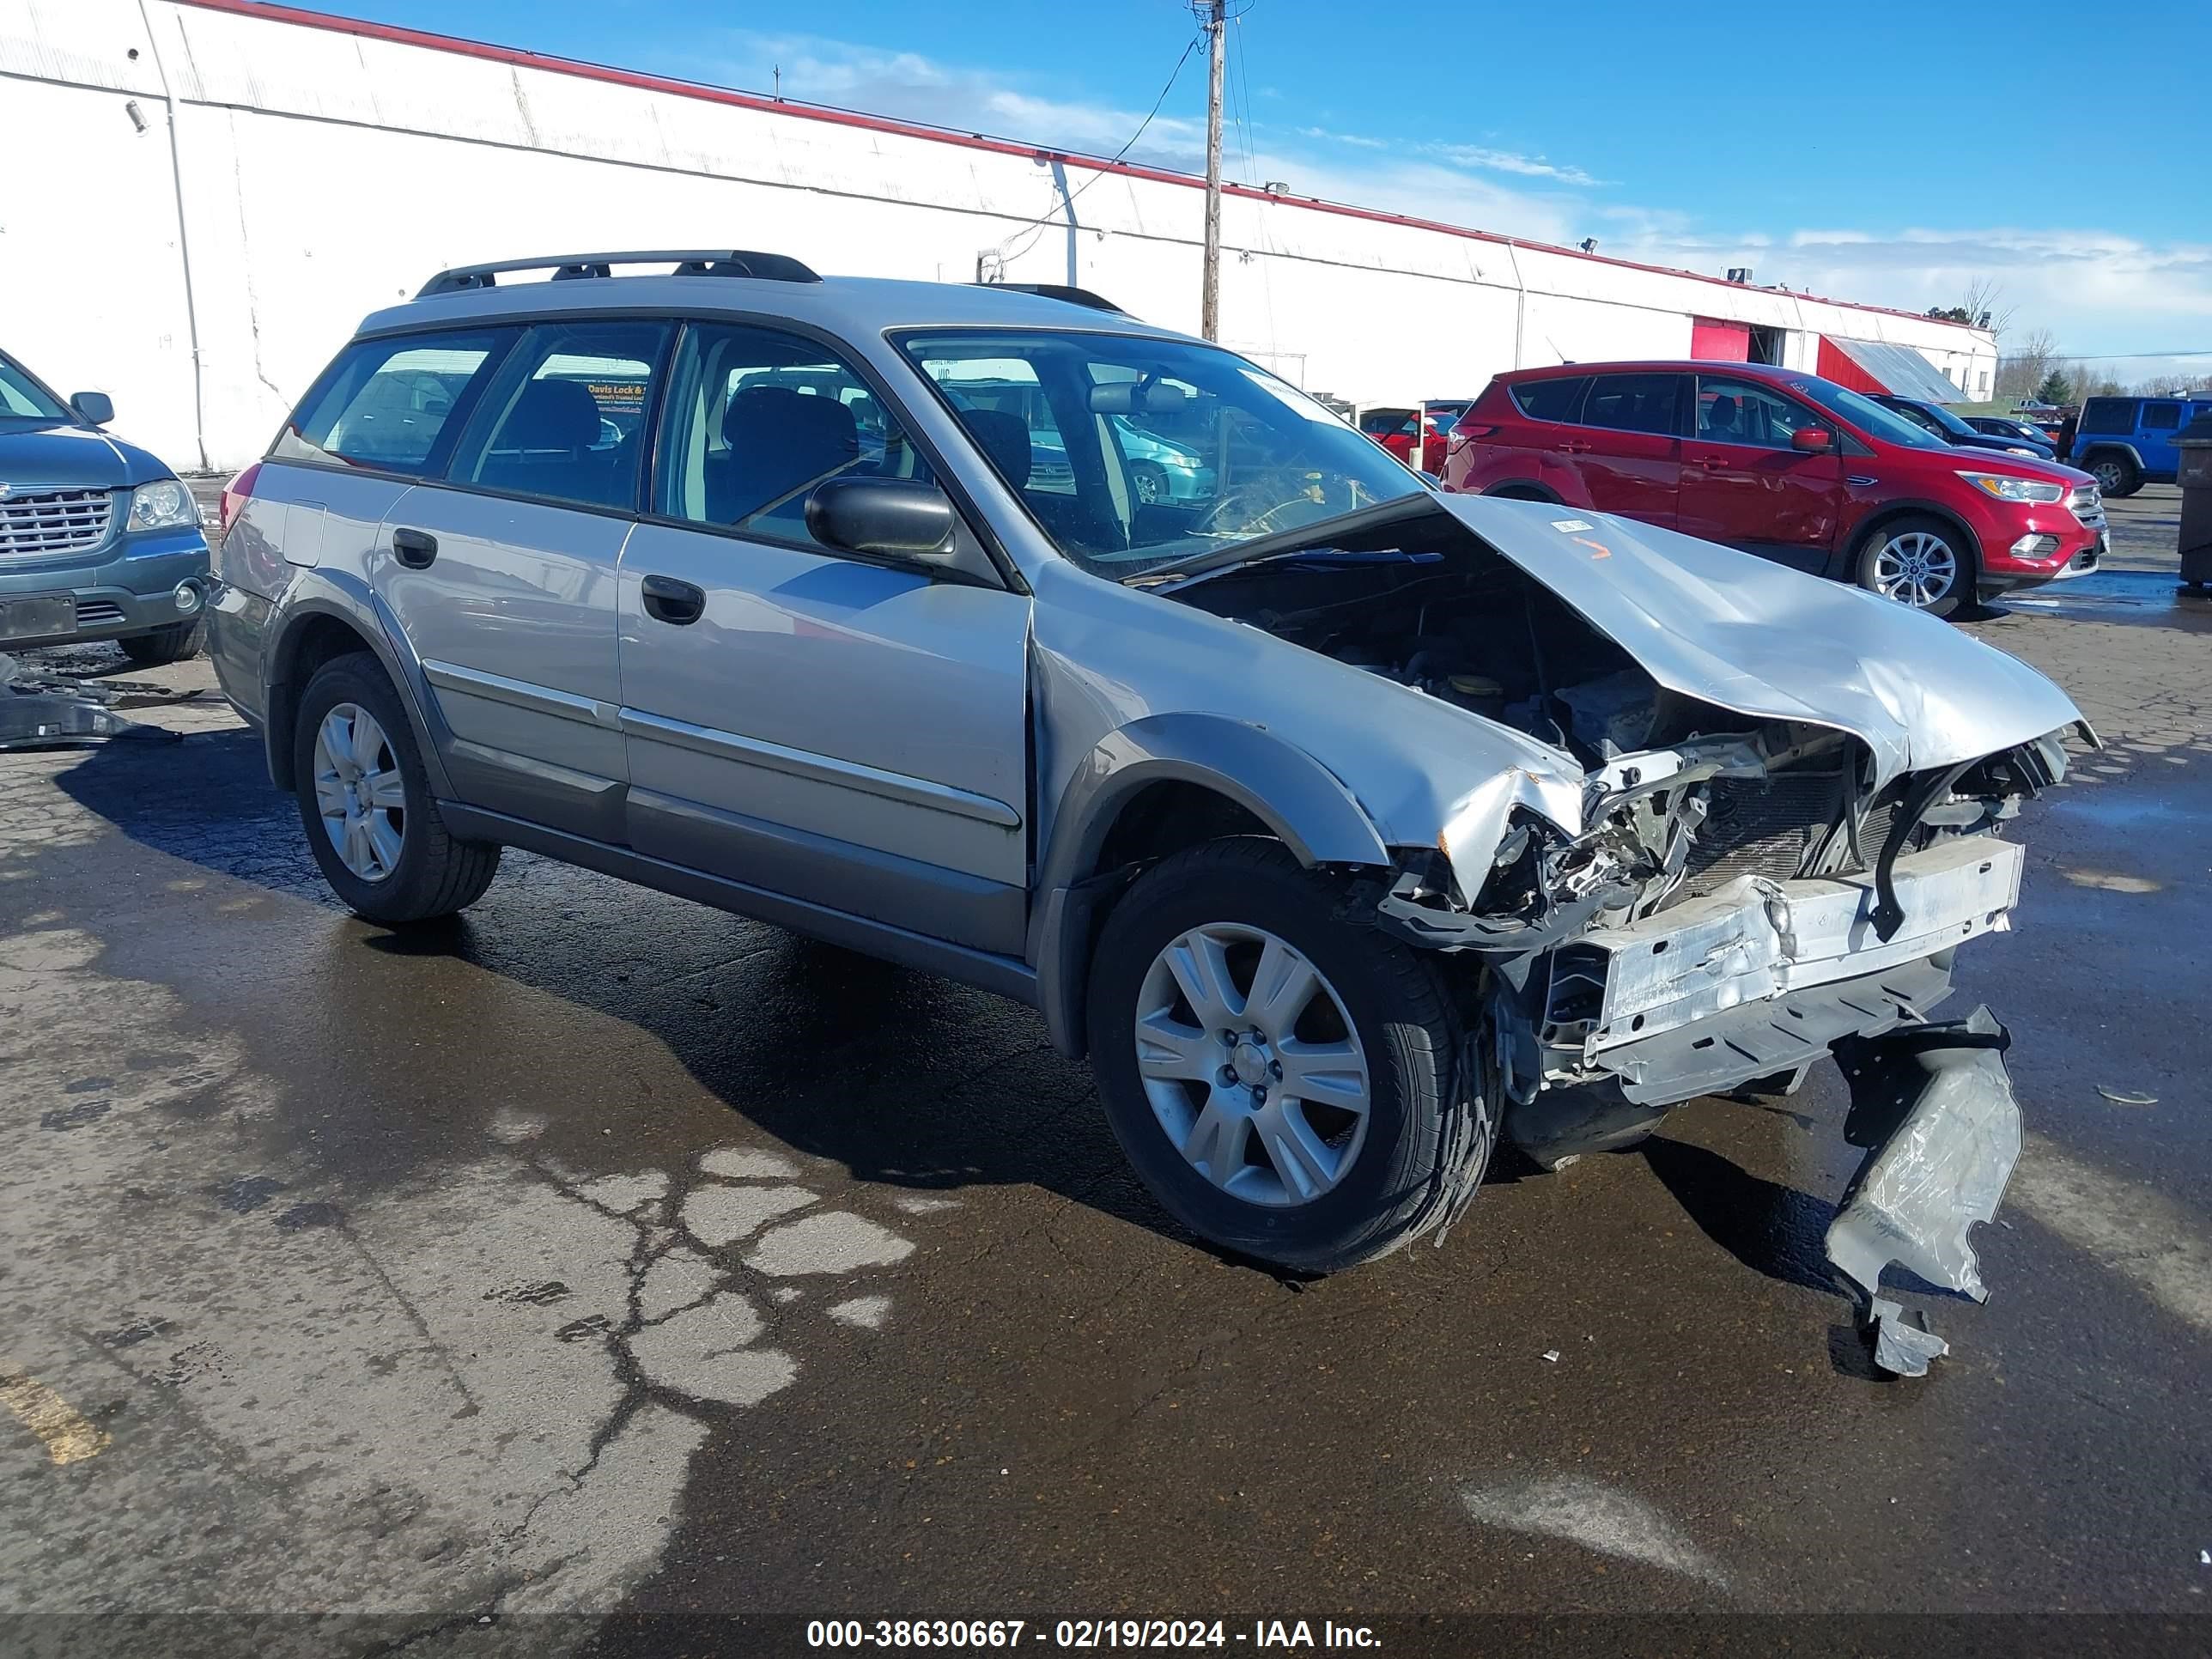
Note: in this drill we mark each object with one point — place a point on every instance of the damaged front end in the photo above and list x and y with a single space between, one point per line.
1737 909
1791 817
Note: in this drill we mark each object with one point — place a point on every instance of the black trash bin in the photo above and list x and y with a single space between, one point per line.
2194 443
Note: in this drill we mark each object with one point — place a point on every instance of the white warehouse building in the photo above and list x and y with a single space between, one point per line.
205 196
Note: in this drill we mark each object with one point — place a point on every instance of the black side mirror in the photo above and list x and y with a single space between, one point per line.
893 518
96 406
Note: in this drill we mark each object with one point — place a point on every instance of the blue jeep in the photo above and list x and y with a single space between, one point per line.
2128 443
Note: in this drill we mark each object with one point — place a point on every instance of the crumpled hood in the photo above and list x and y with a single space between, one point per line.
78 457
1752 636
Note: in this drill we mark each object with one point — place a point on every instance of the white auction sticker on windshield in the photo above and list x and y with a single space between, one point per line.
1569 526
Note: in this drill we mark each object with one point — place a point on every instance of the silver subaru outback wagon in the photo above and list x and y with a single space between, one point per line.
1348 827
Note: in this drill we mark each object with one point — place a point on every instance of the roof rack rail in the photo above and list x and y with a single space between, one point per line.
571 267
1074 296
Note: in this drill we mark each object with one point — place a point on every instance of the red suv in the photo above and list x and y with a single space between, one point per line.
1786 464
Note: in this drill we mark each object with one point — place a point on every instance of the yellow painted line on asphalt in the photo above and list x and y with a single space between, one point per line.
67 1434
2132 1231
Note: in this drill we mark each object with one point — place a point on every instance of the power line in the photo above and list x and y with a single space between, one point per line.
1046 218
2101 356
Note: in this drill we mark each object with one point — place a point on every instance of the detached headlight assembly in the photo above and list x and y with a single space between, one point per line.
164 505
2026 491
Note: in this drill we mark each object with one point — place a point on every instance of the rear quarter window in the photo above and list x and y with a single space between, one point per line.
1550 400
394 404
2108 414
2161 417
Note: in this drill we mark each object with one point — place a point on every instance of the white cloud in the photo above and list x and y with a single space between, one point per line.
2099 291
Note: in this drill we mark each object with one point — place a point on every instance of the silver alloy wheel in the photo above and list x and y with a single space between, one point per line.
359 791
1916 567
2110 475
1252 1065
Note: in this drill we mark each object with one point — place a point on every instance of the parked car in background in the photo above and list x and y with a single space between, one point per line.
1395 430
98 540
1785 465
2000 426
1337 881
2125 443
1933 418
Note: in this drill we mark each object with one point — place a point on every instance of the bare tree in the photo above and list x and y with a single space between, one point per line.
1984 298
2025 366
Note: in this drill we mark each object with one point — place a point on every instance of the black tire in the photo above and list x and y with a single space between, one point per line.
1150 481
1424 1142
173 642
1522 493
1966 570
436 874
2126 477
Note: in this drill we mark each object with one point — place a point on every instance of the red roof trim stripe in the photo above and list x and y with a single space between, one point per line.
516 57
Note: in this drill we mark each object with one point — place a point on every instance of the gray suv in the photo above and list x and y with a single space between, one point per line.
1348 827
98 540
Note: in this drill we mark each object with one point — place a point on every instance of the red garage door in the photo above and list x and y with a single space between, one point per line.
1715 342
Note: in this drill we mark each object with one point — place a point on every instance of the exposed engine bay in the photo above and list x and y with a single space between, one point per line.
1681 797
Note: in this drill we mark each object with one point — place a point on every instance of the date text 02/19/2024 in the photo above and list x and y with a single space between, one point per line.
1085 1633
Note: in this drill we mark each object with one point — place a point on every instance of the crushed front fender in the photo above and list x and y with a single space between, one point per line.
1934 1106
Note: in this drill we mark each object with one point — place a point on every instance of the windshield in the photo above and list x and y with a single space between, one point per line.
1870 416
1133 455
24 402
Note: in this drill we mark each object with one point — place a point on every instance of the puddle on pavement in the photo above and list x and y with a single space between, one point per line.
2117 596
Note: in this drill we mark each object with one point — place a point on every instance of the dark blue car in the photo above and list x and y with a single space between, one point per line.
98 540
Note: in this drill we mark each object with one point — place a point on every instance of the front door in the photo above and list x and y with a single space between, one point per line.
846 731
503 574
1745 486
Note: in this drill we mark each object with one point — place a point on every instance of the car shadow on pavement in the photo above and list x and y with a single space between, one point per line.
903 1078
1770 1228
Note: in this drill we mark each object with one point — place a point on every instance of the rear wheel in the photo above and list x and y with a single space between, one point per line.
1150 479
1285 1082
2116 474
365 802
173 642
1918 560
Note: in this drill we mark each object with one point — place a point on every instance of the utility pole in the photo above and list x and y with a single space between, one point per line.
1209 304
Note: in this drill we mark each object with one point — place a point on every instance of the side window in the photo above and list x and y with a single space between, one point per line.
755 419
2161 417
388 403
2108 414
1633 402
1551 400
1733 411
1919 417
1382 423
565 418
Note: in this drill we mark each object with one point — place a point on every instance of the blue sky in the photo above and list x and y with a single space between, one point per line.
1879 152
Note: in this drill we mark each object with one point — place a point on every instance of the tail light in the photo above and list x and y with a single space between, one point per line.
235 495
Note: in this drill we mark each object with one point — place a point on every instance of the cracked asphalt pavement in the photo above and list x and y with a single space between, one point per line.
600 1262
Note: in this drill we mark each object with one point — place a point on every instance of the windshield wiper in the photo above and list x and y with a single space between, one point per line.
1397 510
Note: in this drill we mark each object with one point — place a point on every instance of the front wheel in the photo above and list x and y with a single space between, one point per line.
2116 475
172 643
1284 1081
1919 562
365 802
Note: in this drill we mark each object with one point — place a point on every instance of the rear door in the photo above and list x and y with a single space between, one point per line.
502 573
844 731
1744 486
1632 463
2162 421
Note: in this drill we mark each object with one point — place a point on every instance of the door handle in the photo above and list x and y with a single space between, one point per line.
669 600
1714 463
1577 447
416 549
